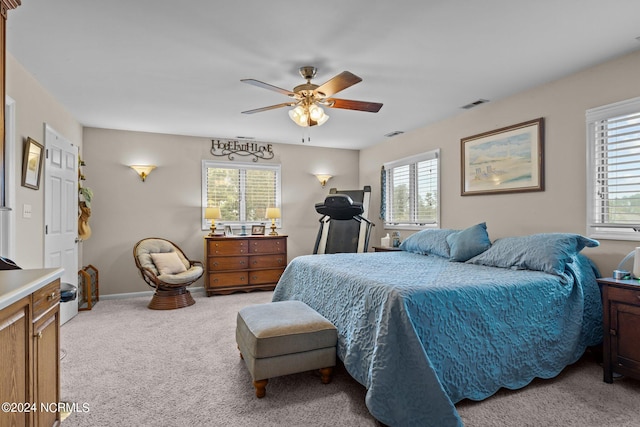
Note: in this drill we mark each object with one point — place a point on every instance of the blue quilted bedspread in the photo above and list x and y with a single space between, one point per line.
422 333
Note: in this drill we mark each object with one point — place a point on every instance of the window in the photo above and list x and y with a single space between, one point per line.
411 196
242 191
613 168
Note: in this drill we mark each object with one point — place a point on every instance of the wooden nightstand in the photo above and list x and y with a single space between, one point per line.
385 249
621 347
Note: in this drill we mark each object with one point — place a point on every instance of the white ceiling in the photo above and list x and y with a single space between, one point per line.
175 66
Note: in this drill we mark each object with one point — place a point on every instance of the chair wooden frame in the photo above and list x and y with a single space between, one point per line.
167 296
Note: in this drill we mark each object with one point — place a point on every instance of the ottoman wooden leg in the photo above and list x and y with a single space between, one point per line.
325 375
261 388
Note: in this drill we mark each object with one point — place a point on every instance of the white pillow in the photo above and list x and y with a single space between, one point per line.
168 263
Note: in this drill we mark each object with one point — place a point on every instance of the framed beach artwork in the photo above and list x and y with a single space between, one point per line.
32 164
506 160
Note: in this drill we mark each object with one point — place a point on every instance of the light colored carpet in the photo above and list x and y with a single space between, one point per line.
127 365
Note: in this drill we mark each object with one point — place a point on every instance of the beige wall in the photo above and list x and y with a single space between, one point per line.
562 206
34 107
125 210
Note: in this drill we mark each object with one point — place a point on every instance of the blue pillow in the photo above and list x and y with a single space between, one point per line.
468 243
548 252
428 242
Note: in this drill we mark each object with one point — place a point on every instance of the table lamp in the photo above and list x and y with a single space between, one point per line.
273 214
212 213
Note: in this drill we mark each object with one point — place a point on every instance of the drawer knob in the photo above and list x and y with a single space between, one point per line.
38 335
215 280
51 297
215 264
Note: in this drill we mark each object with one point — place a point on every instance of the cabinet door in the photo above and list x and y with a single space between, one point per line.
46 366
625 344
15 372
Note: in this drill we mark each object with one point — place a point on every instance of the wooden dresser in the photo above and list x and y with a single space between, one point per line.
621 347
243 263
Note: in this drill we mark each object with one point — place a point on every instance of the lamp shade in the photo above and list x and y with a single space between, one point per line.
212 213
143 170
273 213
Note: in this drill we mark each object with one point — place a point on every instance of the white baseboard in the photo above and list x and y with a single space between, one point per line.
143 294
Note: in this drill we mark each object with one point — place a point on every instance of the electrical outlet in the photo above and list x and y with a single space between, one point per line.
26 211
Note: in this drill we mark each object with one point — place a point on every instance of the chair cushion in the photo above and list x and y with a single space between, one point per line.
189 275
146 247
284 327
168 263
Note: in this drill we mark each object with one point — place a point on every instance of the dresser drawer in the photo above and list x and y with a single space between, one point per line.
228 263
219 280
624 295
268 246
266 261
265 276
227 247
45 298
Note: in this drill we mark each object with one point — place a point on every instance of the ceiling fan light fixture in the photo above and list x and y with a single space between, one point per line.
300 116
315 112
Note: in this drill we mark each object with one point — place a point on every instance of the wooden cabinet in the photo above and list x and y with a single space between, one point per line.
621 347
247 263
30 354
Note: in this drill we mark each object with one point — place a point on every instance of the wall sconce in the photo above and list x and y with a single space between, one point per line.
143 170
323 178
273 214
212 213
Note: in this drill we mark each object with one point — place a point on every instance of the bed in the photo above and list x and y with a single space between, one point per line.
435 323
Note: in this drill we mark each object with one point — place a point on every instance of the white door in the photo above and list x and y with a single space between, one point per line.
61 212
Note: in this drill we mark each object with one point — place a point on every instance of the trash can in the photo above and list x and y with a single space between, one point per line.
68 304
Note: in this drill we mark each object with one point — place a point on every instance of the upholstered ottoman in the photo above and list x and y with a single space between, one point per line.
282 338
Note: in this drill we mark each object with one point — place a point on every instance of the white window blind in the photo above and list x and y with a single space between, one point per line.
412 191
613 136
242 191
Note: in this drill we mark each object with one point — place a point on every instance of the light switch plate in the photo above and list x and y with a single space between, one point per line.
26 211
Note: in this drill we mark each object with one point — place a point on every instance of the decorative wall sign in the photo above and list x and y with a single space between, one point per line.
230 147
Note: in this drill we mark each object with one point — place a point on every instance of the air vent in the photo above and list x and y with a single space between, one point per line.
475 104
394 133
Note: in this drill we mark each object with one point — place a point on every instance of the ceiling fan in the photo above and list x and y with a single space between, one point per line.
308 98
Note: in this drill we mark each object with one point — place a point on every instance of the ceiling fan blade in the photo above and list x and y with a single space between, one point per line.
268 86
340 82
348 104
271 107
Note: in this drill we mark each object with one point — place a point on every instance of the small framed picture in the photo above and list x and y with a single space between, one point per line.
257 230
228 231
32 164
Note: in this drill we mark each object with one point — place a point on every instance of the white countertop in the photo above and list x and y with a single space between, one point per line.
16 284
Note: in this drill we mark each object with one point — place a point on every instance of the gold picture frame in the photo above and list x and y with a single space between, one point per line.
506 160
32 164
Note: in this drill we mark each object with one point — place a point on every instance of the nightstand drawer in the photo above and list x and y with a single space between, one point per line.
624 295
